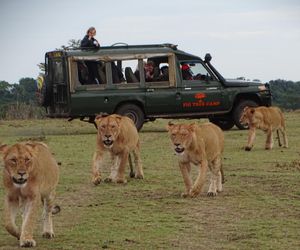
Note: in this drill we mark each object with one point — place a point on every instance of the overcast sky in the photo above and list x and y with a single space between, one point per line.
258 39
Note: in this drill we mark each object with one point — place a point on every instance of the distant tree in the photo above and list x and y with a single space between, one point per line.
285 93
5 92
72 44
28 86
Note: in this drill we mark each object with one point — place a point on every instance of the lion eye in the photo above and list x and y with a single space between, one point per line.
13 160
103 126
27 160
113 126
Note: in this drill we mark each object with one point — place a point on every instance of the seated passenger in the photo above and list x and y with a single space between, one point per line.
151 72
117 74
186 72
164 76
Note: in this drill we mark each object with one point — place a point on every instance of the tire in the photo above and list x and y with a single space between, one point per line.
238 112
134 112
223 123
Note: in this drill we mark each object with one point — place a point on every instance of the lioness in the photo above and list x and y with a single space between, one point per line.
30 175
266 119
117 135
203 146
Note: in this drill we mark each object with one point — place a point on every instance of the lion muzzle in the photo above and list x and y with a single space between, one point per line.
179 150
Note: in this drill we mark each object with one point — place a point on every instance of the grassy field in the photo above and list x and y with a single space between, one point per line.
258 209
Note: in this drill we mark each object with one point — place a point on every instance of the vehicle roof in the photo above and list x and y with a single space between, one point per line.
127 49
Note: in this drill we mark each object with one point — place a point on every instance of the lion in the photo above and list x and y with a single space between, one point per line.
267 119
203 146
118 136
30 175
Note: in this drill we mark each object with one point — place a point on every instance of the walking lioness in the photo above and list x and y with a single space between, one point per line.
267 119
203 146
30 175
117 135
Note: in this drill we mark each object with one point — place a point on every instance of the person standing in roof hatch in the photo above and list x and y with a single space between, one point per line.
89 41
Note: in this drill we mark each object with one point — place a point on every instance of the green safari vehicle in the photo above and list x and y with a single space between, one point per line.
81 83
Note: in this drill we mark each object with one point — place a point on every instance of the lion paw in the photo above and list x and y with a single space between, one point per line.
139 176
96 180
185 195
108 180
193 193
211 194
48 235
121 180
247 148
27 243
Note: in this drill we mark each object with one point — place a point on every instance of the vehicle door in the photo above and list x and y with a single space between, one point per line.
201 92
56 78
162 97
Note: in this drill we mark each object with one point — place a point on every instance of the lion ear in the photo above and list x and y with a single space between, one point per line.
192 127
169 126
3 148
98 119
246 108
252 110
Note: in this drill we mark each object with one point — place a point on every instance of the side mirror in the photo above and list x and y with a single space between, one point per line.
207 58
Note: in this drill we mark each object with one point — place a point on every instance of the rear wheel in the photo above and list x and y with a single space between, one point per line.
238 112
223 123
134 112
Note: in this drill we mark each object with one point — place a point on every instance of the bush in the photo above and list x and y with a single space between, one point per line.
13 111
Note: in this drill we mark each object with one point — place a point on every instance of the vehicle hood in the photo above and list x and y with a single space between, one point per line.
240 83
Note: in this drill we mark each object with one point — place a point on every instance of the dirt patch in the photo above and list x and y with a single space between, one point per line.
292 166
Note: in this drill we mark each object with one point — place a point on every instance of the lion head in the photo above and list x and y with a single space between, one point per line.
244 119
18 161
108 128
181 136
248 116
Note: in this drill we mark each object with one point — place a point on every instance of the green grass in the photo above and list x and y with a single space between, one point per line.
259 208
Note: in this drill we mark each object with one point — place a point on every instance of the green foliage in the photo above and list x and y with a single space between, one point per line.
18 101
285 93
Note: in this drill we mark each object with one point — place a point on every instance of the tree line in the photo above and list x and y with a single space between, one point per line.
18 101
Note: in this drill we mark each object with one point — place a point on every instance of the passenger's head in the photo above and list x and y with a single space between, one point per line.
91 31
185 67
165 70
149 66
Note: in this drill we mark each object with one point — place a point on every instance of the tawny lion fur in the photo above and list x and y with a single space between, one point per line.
118 136
267 119
203 146
30 175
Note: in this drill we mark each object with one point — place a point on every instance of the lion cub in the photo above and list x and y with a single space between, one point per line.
30 175
203 146
266 119
119 136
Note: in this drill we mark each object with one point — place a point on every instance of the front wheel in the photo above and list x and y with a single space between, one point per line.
134 112
239 110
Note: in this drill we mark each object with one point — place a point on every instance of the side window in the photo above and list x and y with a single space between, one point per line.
194 71
91 72
125 71
156 71
57 69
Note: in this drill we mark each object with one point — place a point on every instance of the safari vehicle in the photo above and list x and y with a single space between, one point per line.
186 86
